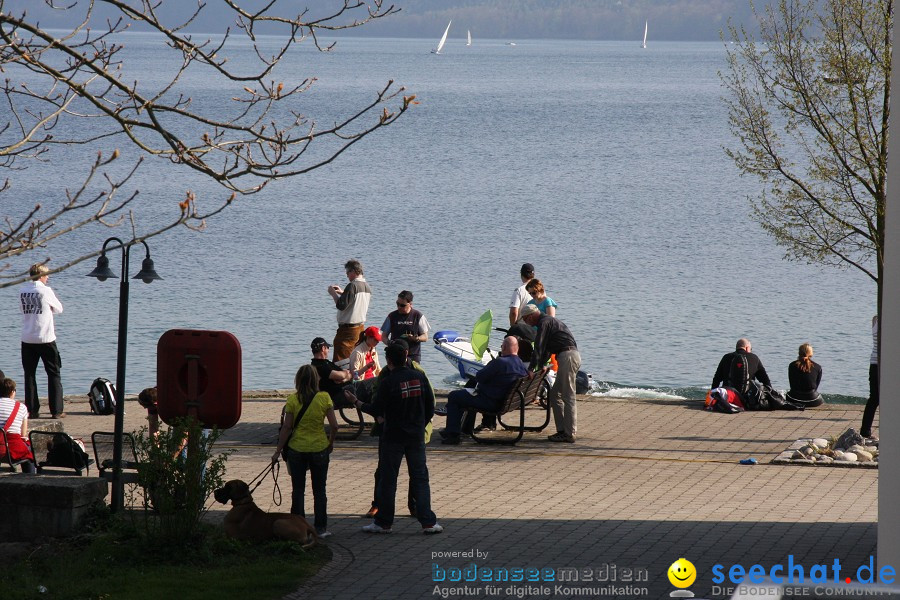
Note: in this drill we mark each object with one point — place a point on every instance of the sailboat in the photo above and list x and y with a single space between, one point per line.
469 40
443 39
644 44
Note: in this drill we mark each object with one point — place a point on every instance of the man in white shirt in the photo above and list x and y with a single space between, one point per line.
352 304
38 304
520 296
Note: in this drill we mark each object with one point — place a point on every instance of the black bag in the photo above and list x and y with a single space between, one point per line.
778 401
102 397
763 397
64 451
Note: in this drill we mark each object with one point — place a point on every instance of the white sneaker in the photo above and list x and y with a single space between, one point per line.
376 528
324 534
436 528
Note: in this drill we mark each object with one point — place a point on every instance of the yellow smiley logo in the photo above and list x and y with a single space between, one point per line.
682 573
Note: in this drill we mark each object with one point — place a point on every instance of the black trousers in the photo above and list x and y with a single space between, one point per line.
48 353
872 404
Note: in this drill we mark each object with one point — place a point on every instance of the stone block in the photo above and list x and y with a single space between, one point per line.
35 506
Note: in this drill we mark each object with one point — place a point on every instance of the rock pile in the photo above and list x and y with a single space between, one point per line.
847 450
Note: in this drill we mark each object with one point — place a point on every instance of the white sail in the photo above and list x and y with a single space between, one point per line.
469 41
644 44
443 39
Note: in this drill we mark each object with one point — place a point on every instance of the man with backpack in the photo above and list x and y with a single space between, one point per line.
737 369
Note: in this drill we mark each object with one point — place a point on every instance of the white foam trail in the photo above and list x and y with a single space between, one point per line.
633 392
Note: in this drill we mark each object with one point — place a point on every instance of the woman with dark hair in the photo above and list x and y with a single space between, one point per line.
14 420
305 445
804 376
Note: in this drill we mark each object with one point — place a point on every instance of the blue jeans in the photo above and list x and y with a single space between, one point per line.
458 401
410 499
390 455
317 465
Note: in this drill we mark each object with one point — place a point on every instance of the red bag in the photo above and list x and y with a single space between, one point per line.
18 446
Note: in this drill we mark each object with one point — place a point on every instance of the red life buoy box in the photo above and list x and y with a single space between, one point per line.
199 374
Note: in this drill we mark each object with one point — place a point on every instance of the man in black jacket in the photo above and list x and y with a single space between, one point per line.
730 368
405 401
554 337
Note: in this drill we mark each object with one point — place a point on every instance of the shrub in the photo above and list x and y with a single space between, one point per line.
178 471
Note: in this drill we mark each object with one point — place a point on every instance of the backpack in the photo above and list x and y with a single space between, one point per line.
724 400
739 374
102 397
68 452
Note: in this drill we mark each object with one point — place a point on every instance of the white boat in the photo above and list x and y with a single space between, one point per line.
644 44
469 38
458 350
443 40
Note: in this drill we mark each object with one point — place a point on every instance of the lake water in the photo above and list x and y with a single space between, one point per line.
601 163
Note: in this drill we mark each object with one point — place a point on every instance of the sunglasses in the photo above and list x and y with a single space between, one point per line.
402 305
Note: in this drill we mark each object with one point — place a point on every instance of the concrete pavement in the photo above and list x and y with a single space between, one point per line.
647 482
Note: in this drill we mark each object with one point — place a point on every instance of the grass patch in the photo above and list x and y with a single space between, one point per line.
113 561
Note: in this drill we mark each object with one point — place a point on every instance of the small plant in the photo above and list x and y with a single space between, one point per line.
178 471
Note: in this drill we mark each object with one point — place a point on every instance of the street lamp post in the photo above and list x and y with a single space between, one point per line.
146 274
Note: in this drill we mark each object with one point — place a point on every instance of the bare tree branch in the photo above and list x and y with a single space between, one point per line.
250 136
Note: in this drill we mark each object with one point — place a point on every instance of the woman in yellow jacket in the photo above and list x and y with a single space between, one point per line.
305 445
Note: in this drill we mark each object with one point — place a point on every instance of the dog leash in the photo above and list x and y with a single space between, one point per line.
275 469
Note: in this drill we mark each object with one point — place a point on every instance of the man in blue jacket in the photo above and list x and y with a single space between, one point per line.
493 384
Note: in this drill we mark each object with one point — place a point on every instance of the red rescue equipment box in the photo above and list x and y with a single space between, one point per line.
199 374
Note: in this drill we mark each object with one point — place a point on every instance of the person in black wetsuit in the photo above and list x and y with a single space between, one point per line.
755 368
805 376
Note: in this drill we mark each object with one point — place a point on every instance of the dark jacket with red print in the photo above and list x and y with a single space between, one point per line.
406 401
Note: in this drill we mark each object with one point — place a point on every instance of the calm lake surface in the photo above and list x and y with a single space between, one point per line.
601 163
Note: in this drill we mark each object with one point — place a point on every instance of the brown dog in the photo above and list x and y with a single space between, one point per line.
247 521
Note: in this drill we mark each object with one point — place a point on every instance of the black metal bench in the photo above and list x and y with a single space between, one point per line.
57 453
350 429
103 443
526 395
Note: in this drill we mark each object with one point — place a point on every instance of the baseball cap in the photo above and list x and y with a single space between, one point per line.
528 309
374 332
319 343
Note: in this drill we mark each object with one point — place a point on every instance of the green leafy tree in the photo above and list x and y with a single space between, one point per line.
76 87
808 104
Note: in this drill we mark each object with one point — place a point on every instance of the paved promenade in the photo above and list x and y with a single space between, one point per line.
647 483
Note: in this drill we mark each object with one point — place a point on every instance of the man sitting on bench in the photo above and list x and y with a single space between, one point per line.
331 377
494 382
